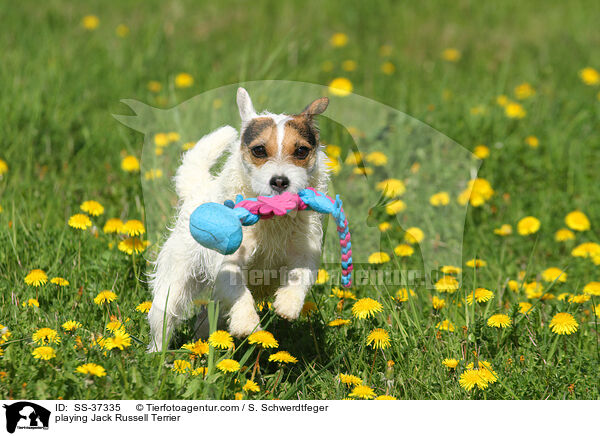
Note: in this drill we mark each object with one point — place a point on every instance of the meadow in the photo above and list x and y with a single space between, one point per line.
515 83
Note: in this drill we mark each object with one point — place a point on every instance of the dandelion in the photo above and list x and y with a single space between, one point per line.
481 295
384 226
481 151
308 308
563 235
44 353
451 269
349 65
366 307
533 289
80 221
378 339
36 277
133 228
554 274
183 80
589 76
343 294
476 263
504 230
450 363
478 191
197 348
3 167
451 55
499 320
472 378
524 91
228 365
59 281
90 22
46 335
339 39
355 158
404 250
105 297
362 391
385 397
349 379
114 324
587 249
200 371
592 288
122 30
525 307
92 207
340 87
120 340
282 357
338 322
402 295
513 285
251 386
379 258
414 235
440 199
263 338
445 325
515 111
333 165
181 366
395 207
578 221
388 68
220 339
322 277
528 225
377 158
532 141
486 371
563 323
130 164
447 284
438 303
70 326
391 187
133 245
31 303
144 307
91 369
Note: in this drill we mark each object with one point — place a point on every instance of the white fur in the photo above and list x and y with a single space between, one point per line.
289 245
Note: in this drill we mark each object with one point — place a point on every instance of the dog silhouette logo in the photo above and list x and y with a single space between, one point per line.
26 415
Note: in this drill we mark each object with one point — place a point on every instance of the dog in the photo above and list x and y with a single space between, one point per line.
271 154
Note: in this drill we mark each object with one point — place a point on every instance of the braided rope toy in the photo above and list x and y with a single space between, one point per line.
219 226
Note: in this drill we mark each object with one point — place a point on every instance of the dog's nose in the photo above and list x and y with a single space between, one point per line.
279 183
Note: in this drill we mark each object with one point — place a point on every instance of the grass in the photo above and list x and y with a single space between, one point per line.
62 146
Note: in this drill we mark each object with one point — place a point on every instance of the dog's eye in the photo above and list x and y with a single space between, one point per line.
259 151
301 152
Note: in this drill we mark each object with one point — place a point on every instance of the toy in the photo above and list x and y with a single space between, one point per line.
219 226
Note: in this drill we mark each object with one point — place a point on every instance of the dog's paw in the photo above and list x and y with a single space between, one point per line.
288 302
243 321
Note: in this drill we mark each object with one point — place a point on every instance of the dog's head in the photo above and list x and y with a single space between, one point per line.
279 152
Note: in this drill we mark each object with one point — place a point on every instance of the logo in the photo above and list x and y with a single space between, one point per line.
26 415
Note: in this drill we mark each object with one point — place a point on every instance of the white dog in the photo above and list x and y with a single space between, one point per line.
273 153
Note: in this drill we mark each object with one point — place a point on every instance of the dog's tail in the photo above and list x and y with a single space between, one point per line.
194 171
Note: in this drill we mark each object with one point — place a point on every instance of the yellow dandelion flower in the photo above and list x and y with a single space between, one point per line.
478 191
228 365
338 322
340 87
587 249
263 338
251 386
524 91
472 378
133 245
3 167
183 80
413 235
181 366
502 100
481 151
592 288
395 207
90 22
515 110
282 357
440 199
46 335
80 221
499 320
349 379
113 225
36 277
404 250
70 325
513 285
481 295
391 188
451 55
308 308
377 158
450 363
105 297
200 371
378 339
188 145
447 284
384 226
552 274
563 323
114 324
525 307
322 277
144 307
32 302
362 391
92 207
220 339
333 151
120 340
385 397
44 353
91 369
199 348
402 294
343 294
486 371
349 65
451 269
354 158
133 228
333 165
379 258
532 141
533 289
445 325
578 221
388 68
59 281
438 303
339 39
528 225
562 235
589 76
366 307
504 230
476 263
130 164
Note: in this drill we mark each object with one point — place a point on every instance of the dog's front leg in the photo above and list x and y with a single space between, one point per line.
289 299
236 300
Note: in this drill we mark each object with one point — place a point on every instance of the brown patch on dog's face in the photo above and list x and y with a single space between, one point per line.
300 141
259 141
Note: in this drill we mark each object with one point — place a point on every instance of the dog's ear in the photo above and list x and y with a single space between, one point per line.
317 107
245 105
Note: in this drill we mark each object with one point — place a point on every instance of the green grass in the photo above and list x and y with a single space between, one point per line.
61 83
